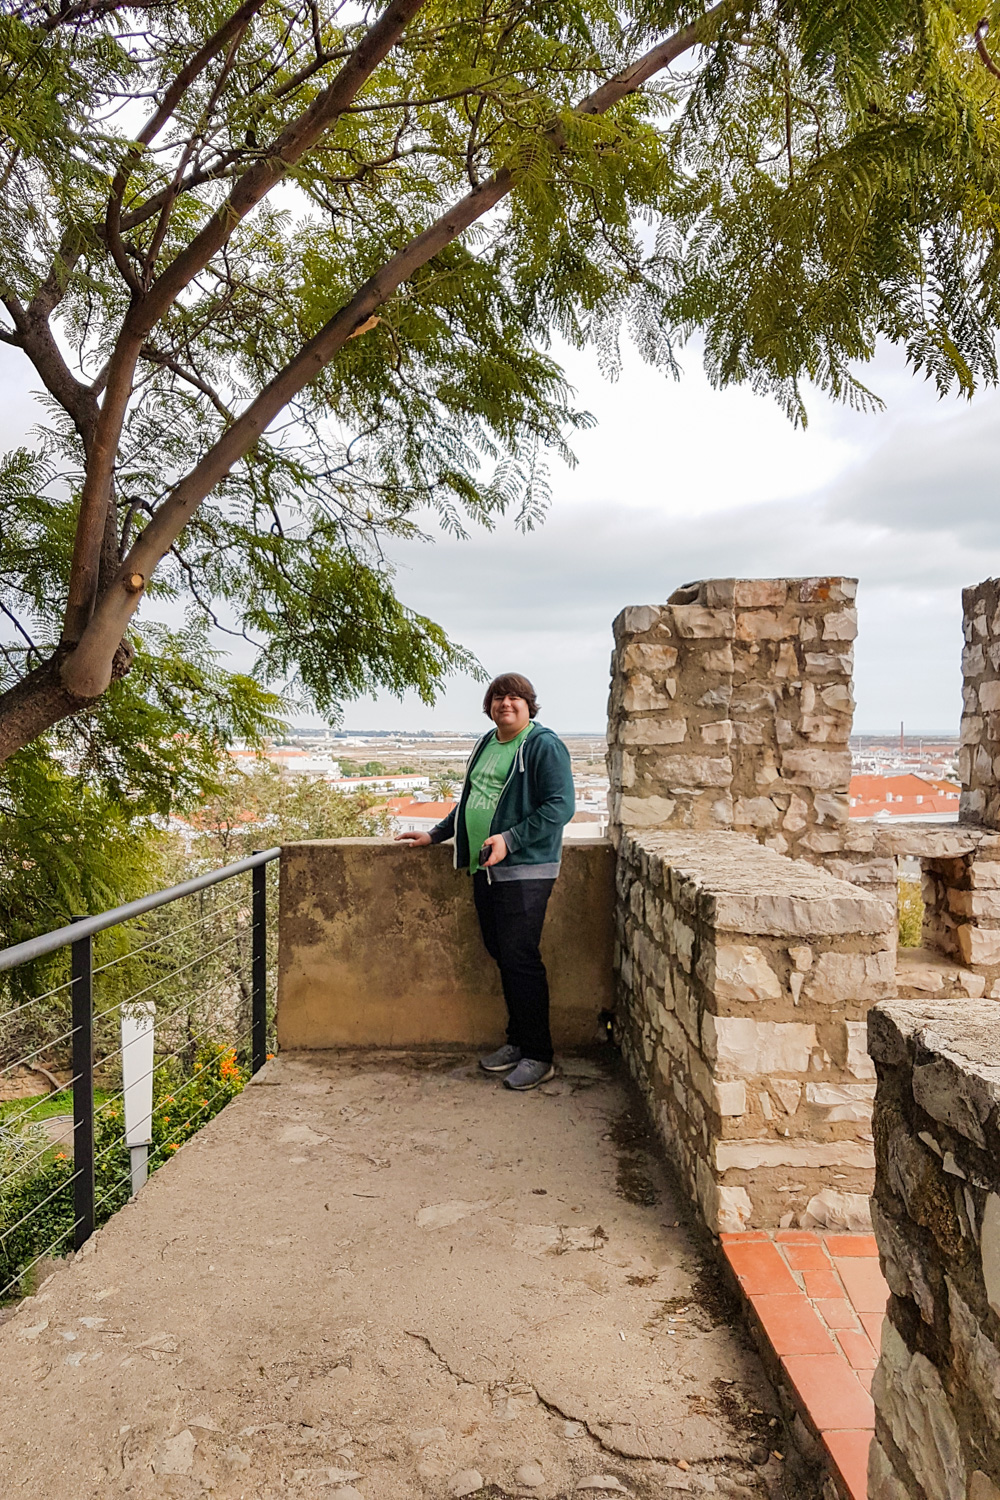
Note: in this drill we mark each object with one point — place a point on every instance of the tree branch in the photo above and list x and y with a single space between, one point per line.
147 310
233 29
86 671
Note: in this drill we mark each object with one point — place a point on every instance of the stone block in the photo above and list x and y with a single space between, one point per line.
836 977
976 1357
821 769
652 660
911 1400
883 1481
985 875
833 1209
742 973
637 619
755 812
646 812
749 1156
729 1097
718 733
760 593
828 664
719 659
642 695
858 1062
695 771
989 696
695 622
764 625
658 729
840 626
834 590
734 1210
978 945
740 1045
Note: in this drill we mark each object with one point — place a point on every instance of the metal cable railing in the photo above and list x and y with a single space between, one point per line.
193 1023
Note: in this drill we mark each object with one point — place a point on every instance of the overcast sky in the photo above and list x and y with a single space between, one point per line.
678 482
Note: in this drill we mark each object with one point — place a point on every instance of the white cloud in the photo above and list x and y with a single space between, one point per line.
679 482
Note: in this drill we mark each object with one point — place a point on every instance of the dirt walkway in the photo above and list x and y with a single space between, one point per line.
389 1277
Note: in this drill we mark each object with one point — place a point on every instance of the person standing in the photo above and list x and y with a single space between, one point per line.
517 797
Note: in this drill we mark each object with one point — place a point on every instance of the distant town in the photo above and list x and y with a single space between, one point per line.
912 778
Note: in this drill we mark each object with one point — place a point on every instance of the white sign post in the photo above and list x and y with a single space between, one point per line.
138 1023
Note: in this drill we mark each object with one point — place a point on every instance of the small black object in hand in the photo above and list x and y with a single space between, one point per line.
484 853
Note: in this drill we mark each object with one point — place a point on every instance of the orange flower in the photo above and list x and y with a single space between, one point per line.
174 1146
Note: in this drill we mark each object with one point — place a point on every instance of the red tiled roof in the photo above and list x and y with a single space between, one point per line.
902 796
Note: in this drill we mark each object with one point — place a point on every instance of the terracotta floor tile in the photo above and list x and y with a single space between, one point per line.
802 1257
836 1312
865 1284
830 1391
872 1324
797 1237
751 1236
759 1267
849 1451
791 1325
822 1283
852 1245
860 1351
865 1376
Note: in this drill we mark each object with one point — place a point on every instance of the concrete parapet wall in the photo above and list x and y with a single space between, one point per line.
379 946
744 980
936 1214
731 708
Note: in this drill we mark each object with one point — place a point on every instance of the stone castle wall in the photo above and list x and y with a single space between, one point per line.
979 757
731 708
744 979
936 1212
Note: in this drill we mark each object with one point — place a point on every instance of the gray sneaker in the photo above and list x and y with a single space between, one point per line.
529 1073
502 1060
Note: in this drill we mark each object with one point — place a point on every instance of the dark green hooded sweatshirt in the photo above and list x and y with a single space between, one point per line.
537 800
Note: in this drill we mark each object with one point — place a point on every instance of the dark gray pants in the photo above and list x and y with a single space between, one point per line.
511 914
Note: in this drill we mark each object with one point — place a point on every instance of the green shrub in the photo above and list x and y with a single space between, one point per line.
36 1205
911 914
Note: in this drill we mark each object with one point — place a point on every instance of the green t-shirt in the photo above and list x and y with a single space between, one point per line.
486 782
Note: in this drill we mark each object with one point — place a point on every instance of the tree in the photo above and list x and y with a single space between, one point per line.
443 785
287 271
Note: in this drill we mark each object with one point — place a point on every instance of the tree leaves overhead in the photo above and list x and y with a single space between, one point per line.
808 179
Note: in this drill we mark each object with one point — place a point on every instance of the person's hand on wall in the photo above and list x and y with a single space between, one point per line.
418 839
497 847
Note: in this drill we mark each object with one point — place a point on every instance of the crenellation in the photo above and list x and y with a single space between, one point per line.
739 1016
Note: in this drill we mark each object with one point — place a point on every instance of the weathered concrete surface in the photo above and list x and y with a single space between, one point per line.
380 947
368 1275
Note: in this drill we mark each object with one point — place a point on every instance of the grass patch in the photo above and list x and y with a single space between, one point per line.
43 1107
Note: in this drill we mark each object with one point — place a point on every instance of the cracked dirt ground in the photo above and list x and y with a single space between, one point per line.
389 1277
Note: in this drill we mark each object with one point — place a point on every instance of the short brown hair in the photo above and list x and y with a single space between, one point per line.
518 686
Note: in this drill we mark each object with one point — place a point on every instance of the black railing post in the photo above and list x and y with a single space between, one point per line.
258 972
83 1090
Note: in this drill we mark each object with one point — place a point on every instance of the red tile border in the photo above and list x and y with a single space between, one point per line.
830 1391
849 1246
866 1286
760 1268
791 1325
849 1451
837 1313
825 1337
860 1351
823 1283
803 1257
